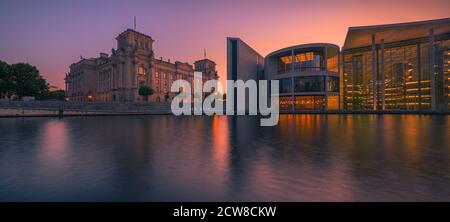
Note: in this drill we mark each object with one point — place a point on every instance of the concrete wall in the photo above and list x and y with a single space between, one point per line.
250 64
244 63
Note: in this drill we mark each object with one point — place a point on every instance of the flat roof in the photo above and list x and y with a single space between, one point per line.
201 60
361 36
301 46
245 44
134 31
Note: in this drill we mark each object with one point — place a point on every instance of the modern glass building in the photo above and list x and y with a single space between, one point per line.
397 67
308 76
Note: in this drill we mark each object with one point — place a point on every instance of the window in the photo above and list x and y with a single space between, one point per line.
309 102
333 102
304 57
333 84
284 64
309 61
141 70
285 103
332 59
309 84
285 85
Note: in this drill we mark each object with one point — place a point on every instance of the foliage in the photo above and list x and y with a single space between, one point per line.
21 79
5 79
54 95
146 91
166 96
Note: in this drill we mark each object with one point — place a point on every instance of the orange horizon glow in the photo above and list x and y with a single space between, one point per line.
52 35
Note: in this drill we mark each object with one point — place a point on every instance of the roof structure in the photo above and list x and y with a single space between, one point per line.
361 36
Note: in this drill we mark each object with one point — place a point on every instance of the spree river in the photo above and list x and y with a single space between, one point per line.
169 158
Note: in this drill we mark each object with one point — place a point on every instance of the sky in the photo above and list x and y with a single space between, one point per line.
51 35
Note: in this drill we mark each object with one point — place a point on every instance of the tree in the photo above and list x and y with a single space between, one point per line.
146 91
26 80
54 95
5 79
166 96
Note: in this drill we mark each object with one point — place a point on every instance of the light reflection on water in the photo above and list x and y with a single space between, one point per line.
168 158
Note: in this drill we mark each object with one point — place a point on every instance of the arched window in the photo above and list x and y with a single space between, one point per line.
141 71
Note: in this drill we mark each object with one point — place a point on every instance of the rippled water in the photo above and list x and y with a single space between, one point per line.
168 158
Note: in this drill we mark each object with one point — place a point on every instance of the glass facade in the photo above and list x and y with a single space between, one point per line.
313 82
333 102
309 84
406 70
284 64
332 84
285 85
332 59
358 81
285 103
443 74
308 61
405 87
310 102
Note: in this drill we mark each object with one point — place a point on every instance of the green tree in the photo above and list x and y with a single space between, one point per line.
5 79
146 91
166 96
58 95
54 95
26 80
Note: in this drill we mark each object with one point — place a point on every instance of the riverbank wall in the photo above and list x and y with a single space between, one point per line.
60 108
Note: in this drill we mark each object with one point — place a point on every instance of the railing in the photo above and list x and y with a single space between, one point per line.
129 107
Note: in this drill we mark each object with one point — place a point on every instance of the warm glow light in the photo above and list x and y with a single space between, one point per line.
287 27
416 89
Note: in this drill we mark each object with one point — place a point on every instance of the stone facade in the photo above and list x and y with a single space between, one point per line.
118 77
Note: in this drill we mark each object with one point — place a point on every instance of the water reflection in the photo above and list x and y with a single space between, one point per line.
168 158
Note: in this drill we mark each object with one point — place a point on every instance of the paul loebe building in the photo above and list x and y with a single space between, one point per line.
397 67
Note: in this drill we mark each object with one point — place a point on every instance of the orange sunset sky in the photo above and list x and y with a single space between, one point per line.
53 34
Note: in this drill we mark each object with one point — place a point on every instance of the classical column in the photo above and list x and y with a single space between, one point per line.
374 71
383 78
431 70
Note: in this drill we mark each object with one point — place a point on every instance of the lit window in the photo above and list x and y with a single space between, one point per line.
141 70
